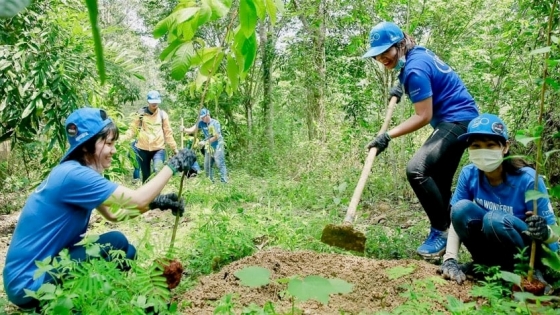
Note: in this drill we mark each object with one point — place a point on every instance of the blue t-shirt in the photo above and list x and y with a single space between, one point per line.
509 196
55 216
207 130
425 75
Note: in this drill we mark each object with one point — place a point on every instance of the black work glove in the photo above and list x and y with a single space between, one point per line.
380 142
537 228
169 202
182 161
396 91
450 270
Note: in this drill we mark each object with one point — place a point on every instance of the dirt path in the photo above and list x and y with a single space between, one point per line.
373 289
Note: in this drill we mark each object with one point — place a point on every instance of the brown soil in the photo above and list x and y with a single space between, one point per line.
534 286
173 272
373 289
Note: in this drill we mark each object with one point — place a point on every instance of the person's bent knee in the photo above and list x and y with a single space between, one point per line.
115 239
461 209
415 170
494 222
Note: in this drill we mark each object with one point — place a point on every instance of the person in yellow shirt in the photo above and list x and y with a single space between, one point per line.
152 131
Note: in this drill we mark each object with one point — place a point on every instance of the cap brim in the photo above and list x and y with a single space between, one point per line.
375 51
154 101
67 154
465 137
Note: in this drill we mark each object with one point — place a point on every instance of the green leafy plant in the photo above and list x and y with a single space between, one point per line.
300 289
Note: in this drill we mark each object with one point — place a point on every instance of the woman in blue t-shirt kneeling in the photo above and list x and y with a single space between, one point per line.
57 213
440 99
489 213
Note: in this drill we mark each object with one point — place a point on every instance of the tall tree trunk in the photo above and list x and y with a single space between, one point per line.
267 40
248 105
315 28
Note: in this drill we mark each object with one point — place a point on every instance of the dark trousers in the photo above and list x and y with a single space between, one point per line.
430 171
145 158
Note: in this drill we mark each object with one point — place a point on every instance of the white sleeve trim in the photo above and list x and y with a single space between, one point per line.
453 245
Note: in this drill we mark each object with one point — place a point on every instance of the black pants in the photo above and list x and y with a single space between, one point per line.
145 158
430 171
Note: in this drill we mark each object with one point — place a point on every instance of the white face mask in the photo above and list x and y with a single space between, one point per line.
486 160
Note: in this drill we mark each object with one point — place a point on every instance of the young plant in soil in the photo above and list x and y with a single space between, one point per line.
530 284
299 289
172 268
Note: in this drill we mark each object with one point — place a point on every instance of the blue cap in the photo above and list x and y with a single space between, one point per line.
486 125
154 97
382 37
82 125
204 112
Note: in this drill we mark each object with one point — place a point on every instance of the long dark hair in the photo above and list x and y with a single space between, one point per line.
406 44
87 149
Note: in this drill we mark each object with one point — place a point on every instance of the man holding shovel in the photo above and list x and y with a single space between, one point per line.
440 99
213 144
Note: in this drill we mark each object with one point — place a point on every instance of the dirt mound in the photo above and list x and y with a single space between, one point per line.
373 289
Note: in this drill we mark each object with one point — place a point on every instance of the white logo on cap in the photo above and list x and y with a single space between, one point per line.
80 137
480 121
376 36
394 38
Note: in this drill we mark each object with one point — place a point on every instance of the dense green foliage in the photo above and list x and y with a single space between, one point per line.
296 101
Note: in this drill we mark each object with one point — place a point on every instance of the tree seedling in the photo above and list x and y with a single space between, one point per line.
312 287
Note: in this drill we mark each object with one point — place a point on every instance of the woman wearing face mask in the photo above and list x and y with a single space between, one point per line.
440 99
489 214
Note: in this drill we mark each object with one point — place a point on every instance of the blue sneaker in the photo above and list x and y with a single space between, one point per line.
434 245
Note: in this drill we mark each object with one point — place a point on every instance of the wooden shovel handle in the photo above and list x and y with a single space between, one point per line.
351 212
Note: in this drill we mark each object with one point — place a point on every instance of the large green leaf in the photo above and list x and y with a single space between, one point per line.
271 10
249 51
92 9
260 8
541 50
219 8
10 8
317 288
525 140
247 17
550 258
534 195
181 61
253 276
169 51
211 65
232 72
511 277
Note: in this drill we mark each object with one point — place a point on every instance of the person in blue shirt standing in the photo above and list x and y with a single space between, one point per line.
55 216
213 144
440 99
489 214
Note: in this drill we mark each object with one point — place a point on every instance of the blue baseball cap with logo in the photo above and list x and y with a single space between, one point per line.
382 37
82 125
486 125
204 112
154 97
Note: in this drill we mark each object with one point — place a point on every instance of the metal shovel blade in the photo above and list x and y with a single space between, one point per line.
344 236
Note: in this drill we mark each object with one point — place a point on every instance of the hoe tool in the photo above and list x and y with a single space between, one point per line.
344 236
